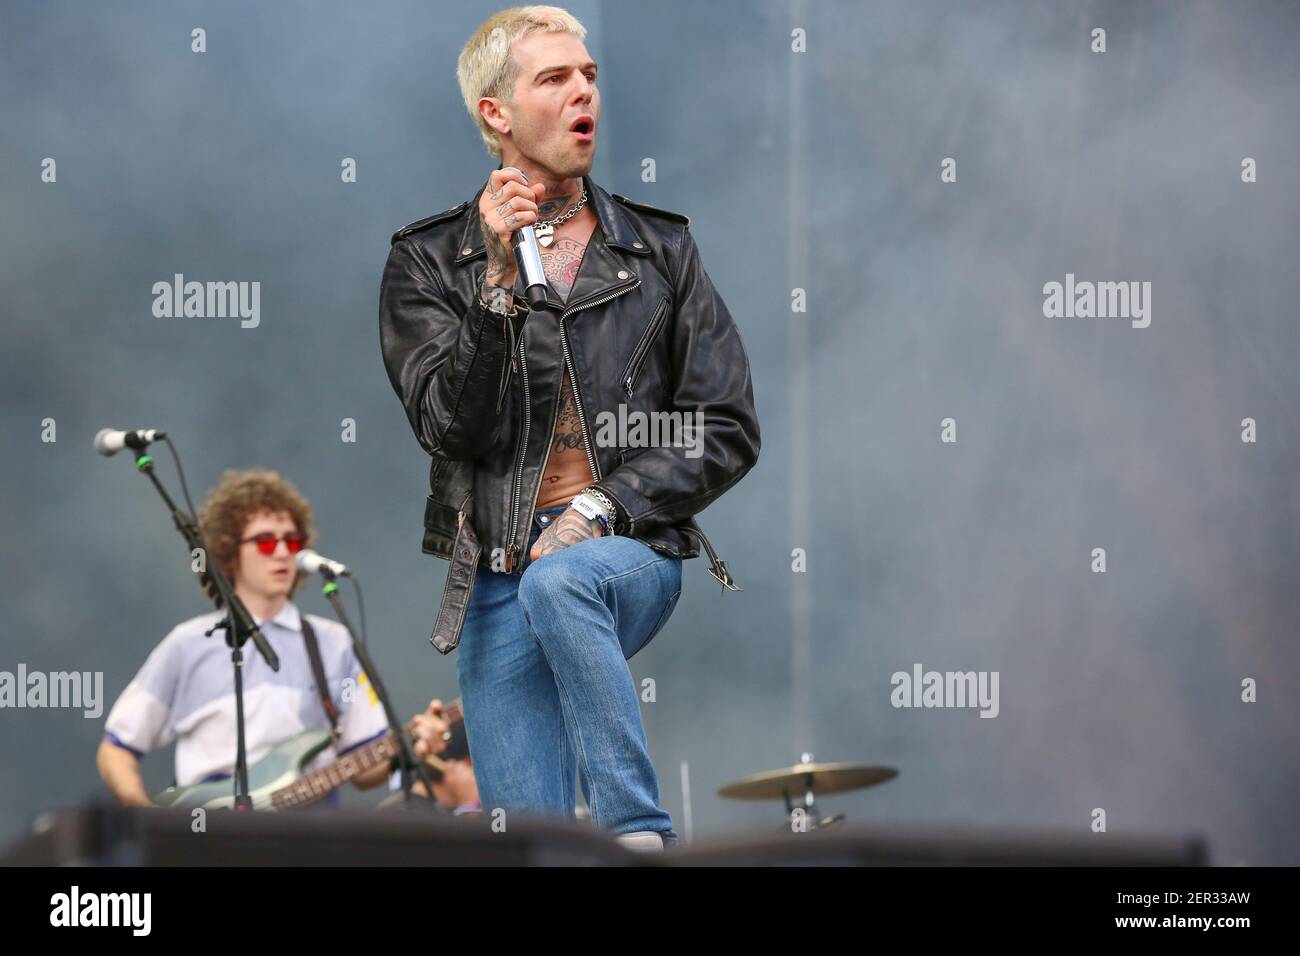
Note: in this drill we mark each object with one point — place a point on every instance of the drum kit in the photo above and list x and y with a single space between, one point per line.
800 784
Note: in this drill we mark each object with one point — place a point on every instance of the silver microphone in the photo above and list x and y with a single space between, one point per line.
109 441
528 256
313 563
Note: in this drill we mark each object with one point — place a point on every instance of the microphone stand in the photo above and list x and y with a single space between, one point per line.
406 758
238 625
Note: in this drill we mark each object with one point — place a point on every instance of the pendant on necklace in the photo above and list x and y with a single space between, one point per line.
545 234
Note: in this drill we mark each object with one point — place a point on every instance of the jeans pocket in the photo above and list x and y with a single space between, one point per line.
663 619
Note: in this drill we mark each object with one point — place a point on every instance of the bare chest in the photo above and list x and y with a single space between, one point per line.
561 259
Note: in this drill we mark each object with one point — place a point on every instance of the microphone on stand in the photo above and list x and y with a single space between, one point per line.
109 441
311 563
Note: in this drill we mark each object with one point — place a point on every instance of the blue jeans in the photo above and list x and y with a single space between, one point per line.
544 682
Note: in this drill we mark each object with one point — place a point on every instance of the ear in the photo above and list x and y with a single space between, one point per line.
495 114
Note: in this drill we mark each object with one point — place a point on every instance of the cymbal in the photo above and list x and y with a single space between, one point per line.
819 777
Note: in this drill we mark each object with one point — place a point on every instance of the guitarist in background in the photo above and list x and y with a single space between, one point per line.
254 523
440 742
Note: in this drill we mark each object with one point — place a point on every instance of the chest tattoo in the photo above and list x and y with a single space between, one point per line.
560 262
568 429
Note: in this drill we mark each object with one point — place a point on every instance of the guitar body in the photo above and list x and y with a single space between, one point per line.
281 780
286 763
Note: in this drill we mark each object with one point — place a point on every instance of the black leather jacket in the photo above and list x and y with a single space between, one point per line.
643 327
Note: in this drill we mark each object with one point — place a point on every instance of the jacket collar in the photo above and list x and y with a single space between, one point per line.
616 226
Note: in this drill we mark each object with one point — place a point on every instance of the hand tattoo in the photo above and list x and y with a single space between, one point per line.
500 260
568 529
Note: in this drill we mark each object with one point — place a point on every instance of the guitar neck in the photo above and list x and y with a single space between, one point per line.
314 785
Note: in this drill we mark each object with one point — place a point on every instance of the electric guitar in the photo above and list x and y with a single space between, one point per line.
281 781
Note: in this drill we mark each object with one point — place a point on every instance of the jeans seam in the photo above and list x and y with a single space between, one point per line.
654 631
567 774
583 763
623 574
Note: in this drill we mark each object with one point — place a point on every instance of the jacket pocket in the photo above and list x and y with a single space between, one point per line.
642 350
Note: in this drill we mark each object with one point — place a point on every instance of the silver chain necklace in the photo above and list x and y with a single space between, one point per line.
545 230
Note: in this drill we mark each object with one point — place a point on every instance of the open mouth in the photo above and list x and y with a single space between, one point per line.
584 127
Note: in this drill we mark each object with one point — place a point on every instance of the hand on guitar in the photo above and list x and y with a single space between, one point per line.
454 784
431 731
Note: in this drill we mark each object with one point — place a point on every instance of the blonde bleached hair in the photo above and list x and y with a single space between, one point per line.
485 66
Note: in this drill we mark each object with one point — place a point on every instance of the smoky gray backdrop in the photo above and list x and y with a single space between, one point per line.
817 170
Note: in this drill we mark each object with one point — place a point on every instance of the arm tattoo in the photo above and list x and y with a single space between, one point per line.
498 298
499 258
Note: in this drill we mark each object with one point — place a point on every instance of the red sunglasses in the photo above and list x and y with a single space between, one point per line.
267 542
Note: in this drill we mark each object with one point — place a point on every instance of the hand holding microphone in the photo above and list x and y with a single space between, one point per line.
507 211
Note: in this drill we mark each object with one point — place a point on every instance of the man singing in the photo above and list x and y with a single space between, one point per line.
565 534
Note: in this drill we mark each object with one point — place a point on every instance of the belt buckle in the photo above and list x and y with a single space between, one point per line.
724 578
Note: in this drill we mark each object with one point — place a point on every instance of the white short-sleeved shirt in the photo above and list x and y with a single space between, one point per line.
186 692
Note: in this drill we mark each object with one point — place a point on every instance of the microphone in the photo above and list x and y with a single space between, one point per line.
313 563
528 256
109 441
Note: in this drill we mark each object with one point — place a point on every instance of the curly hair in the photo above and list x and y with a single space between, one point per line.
241 496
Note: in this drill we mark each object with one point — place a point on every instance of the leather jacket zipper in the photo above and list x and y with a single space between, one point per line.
513 548
573 378
642 349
